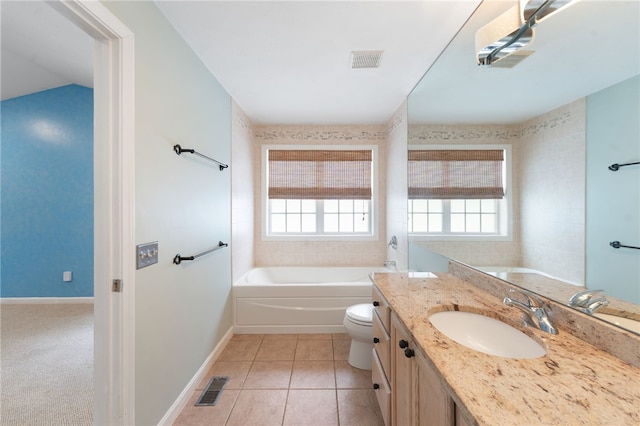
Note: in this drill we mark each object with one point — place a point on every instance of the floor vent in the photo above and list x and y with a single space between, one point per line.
212 391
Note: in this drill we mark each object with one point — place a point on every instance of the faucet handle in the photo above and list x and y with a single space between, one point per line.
531 299
582 298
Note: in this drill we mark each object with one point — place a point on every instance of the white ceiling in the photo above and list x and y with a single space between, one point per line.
41 50
585 48
288 62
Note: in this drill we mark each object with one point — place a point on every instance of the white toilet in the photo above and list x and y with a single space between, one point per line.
357 321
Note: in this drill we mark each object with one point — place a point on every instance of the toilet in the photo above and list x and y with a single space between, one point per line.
357 321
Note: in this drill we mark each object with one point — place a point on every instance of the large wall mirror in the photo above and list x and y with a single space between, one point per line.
567 106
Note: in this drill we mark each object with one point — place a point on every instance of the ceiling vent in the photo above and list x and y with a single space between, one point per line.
366 58
512 60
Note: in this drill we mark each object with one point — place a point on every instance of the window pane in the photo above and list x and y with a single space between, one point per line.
435 222
420 223
457 206
331 206
488 223
293 223
308 206
360 206
473 223
278 223
346 206
330 223
420 205
488 206
473 206
278 206
293 206
361 224
435 206
308 223
346 222
457 222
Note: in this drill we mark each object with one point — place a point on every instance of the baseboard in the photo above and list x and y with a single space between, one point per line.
44 300
175 409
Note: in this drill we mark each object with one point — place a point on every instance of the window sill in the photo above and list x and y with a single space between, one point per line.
301 238
461 238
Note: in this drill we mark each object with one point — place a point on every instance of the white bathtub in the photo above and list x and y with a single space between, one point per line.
502 271
299 299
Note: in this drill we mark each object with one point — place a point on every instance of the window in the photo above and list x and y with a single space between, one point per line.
319 192
459 192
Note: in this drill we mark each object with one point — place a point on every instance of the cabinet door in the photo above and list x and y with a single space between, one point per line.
435 406
402 386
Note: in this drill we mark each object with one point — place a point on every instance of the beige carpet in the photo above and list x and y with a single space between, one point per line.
46 364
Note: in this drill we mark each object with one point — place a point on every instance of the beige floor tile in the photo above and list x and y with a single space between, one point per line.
277 350
358 407
207 415
314 350
247 337
259 407
280 337
314 336
236 371
269 375
340 336
313 375
311 407
348 377
240 350
341 349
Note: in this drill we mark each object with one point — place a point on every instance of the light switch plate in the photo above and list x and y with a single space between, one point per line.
146 254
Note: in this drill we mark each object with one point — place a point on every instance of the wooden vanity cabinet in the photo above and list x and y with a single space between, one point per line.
381 358
417 397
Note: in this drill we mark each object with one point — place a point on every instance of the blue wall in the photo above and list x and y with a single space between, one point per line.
613 198
47 193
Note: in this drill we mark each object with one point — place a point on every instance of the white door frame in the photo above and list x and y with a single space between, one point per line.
114 209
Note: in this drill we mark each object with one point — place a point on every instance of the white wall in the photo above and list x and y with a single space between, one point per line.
182 202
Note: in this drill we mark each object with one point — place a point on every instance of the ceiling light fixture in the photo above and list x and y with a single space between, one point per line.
513 30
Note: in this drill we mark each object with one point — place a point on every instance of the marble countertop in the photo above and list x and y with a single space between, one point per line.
575 383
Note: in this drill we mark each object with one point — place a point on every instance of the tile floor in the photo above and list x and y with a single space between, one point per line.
287 379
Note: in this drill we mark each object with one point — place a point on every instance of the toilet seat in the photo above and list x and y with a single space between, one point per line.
360 314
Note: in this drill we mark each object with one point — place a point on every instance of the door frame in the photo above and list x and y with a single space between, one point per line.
114 209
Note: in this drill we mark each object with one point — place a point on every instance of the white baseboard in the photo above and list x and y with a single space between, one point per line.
44 300
175 409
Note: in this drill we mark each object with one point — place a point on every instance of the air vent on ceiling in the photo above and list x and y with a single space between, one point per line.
366 58
512 60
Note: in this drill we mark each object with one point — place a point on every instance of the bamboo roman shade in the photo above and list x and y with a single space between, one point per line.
320 174
455 174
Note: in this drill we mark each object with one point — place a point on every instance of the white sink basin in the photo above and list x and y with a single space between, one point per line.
485 334
627 323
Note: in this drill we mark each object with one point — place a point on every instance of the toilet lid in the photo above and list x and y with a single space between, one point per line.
360 313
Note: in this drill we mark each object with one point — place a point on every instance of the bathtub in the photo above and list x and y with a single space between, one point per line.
502 271
299 299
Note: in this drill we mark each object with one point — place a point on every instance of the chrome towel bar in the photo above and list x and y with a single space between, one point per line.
178 259
179 150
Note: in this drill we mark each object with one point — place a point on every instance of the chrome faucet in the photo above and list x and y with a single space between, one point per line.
533 308
390 263
586 302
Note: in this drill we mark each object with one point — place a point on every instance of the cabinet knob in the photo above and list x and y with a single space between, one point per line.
376 386
403 344
409 353
376 303
376 340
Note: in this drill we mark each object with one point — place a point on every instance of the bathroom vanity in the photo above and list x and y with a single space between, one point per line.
422 377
